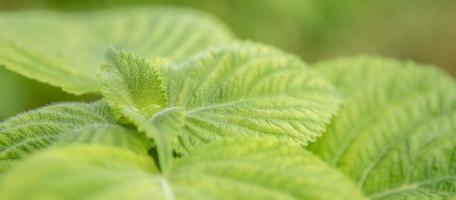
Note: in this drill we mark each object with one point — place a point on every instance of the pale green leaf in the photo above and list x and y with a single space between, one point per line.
82 172
133 83
134 88
241 89
249 89
64 49
63 123
239 168
395 136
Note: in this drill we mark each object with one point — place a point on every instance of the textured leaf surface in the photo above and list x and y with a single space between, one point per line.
133 83
228 169
65 49
134 88
63 123
250 89
242 89
395 135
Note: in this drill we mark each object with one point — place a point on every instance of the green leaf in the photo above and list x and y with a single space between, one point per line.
241 89
395 133
64 49
249 89
134 88
228 169
63 123
82 172
133 83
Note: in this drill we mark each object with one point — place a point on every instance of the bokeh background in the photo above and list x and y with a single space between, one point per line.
420 30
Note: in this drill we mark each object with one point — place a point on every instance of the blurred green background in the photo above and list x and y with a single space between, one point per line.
421 30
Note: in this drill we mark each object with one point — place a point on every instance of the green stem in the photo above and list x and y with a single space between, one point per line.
164 150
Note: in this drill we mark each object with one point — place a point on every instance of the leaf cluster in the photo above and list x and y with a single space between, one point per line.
193 113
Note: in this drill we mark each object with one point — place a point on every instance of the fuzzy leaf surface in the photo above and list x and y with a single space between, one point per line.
134 83
395 135
243 89
250 89
61 124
